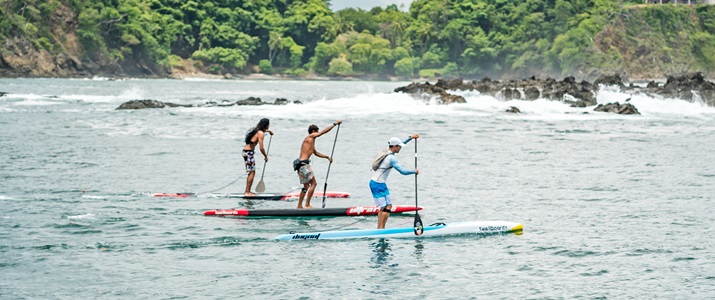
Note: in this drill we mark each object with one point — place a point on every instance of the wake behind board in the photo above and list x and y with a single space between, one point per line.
258 196
439 229
307 212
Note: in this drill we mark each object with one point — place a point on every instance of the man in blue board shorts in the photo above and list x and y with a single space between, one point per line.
378 182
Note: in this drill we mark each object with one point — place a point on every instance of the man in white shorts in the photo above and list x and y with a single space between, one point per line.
378 182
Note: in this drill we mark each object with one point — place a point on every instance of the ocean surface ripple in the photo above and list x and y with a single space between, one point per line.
613 206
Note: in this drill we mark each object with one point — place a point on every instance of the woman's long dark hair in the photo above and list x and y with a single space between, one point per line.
261 126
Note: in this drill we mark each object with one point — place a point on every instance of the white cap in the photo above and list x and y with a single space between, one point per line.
395 142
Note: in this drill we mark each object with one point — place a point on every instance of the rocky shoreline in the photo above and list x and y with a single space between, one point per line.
691 87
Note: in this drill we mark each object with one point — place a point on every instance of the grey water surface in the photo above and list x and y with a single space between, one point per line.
613 206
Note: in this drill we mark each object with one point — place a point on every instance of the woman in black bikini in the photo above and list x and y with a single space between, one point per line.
254 137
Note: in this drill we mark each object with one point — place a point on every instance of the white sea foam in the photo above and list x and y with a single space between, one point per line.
30 100
363 105
101 78
345 100
202 79
654 106
133 93
81 217
24 97
381 105
36 103
646 105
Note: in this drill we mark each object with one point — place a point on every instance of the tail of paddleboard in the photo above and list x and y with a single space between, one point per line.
439 229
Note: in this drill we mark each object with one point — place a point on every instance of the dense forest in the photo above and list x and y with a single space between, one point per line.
470 38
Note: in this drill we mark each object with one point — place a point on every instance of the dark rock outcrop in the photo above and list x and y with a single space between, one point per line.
148 103
582 93
610 80
690 87
426 91
281 101
531 93
250 101
3 94
254 101
514 110
623 109
576 94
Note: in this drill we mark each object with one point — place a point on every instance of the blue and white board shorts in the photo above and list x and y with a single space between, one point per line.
380 193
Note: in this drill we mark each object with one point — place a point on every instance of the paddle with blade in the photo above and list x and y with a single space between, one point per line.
325 186
261 187
418 220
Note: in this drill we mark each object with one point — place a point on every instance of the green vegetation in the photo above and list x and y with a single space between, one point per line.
445 37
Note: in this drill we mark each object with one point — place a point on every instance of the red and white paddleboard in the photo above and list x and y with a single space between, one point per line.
173 195
308 212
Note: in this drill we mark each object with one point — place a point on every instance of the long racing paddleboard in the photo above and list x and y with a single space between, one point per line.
439 229
307 212
259 196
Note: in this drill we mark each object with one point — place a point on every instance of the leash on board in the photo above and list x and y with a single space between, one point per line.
225 186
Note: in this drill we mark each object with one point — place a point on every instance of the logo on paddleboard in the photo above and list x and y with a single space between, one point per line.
358 210
306 236
493 228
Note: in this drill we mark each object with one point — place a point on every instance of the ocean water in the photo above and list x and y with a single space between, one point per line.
613 206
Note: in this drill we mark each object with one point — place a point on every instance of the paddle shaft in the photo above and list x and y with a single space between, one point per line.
265 161
260 183
325 186
415 176
418 220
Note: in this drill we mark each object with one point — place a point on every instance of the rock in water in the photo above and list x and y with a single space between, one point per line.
617 108
148 103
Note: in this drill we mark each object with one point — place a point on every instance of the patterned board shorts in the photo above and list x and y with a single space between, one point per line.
305 174
250 160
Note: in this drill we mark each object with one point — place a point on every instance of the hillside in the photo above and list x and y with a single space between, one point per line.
448 38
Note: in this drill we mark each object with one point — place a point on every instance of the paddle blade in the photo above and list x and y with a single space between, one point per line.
261 187
418 224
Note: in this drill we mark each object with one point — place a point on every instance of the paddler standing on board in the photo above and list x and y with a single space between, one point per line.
254 137
302 163
381 169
